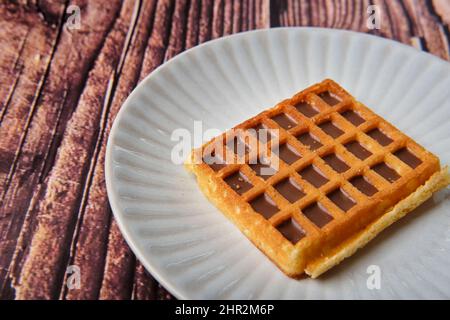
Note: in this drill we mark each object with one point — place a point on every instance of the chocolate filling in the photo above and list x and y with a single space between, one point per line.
317 214
288 154
407 157
238 182
284 121
329 98
238 146
330 129
291 230
336 163
361 183
263 170
386 172
379 136
289 189
260 128
313 176
264 205
341 199
306 109
353 117
358 150
309 140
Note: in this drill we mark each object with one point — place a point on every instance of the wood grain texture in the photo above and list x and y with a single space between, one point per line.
61 90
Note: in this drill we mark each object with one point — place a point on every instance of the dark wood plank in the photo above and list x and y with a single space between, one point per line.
118 275
436 38
40 269
192 27
90 238
177 36
28 54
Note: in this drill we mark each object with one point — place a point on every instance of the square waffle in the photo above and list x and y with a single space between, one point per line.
342 174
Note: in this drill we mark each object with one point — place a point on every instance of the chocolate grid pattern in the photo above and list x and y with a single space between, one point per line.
329 145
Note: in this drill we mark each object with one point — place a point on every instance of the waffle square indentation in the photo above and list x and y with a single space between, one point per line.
353 117
287 153
309 140
336 163
363 185
289 189
329 98
341 199
306 109
284 121
408 157
238 182
264 205
331 129
380 137
291 230
313 175
358 150
386 172
317 214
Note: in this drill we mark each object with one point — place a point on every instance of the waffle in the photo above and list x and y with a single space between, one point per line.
329 177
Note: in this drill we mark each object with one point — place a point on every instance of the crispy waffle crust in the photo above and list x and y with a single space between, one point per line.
339 175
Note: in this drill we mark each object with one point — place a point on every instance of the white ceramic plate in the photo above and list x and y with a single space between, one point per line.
189 246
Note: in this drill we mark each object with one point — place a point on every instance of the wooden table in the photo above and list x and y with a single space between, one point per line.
61 88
